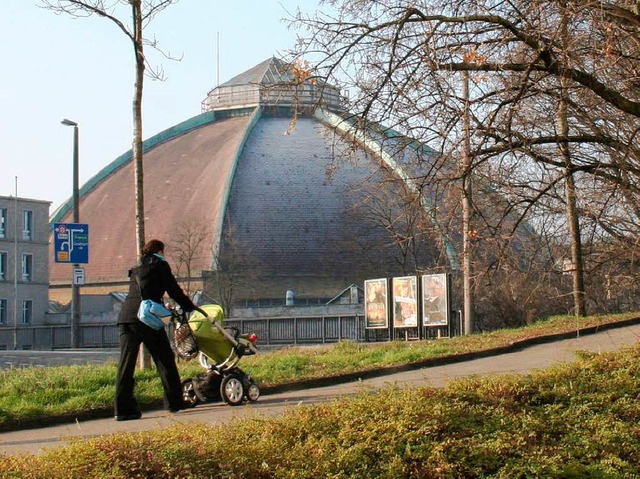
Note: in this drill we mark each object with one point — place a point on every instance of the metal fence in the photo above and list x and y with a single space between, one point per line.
271 332
58 337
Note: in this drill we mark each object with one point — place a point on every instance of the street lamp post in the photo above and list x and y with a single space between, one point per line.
75 289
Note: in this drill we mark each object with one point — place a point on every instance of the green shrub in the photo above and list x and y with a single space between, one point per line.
578 420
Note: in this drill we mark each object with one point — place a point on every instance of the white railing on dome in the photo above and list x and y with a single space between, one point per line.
284 95
222 98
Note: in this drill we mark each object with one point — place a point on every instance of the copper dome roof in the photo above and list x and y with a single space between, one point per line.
282 195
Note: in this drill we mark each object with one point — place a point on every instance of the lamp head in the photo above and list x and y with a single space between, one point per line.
69 122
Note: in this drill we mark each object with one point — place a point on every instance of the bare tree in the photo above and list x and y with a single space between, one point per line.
141 13
532 64
233 268
390 231
187 248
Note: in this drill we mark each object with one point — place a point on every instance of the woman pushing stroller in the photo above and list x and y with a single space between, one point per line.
150 279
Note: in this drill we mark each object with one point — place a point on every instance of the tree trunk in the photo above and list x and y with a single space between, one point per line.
137 123
144 358
573 222
466 213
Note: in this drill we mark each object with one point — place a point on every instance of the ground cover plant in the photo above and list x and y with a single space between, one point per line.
30 395
578 420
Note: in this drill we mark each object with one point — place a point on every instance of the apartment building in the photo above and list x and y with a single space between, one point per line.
24 263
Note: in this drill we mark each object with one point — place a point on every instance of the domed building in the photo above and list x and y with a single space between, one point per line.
270 189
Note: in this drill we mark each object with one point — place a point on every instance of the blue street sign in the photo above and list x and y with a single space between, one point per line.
71 243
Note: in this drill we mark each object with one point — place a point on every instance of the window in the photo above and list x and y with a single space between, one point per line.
27 311
3 266
27 267
3 311
27 224
3 222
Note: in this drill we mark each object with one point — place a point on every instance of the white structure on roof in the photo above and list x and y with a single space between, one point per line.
272 84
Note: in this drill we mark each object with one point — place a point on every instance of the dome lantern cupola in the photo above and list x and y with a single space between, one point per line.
273 84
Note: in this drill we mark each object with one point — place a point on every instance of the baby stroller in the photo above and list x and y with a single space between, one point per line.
220 349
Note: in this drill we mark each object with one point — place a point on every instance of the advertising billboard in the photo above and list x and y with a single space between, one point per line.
375 303
435 300
405 302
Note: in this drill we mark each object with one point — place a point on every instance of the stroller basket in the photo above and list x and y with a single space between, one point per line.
185 344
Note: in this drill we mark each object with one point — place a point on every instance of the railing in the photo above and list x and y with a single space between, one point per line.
303 330
283 95
58 337
271 331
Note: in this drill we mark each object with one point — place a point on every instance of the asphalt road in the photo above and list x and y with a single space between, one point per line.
25 359
531 358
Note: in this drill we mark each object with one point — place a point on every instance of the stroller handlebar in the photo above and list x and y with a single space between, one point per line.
232 339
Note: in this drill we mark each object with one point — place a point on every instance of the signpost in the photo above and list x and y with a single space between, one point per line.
71 243
78 276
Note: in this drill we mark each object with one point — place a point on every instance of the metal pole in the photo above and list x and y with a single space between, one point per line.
75 289
15 271
218 61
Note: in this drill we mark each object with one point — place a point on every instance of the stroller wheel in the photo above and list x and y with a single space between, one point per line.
253 393
189 396
232 390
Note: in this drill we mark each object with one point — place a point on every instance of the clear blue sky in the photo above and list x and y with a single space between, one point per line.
57 67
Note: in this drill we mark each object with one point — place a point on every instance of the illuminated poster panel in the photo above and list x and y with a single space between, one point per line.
375 303
435 300
405 302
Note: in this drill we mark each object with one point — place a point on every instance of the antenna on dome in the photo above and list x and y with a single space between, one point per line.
218 59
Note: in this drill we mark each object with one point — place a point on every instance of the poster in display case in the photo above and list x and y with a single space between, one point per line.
405 302
435 300
375 303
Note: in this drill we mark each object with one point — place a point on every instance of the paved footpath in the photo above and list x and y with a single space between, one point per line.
540 356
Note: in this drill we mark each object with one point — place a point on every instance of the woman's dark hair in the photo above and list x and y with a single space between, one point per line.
153 246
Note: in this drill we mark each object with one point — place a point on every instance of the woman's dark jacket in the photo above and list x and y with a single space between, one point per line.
156 279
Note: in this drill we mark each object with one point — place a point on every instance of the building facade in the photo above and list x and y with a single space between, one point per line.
24 264
268 190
